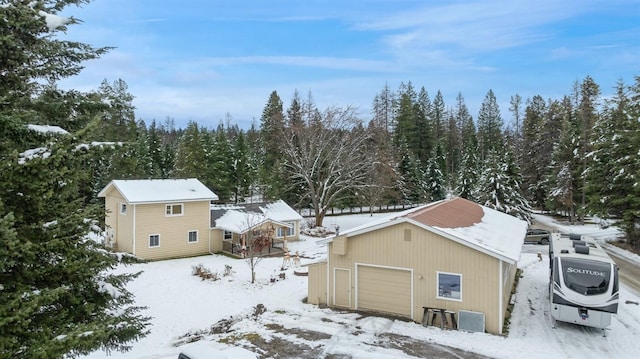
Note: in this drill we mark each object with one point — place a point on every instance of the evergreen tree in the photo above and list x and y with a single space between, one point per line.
119 117
439 119
220 164
533 158
191 154
435 180
467 181
412 183
498 186
588 116
242 174
58 294
489 126
422 137
405 128
383 108
271 131
564 170
613 175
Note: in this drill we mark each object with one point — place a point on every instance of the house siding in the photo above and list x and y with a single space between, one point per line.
121 226
173 230
405 245
317 288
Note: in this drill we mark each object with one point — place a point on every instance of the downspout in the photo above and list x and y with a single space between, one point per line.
134 230
500 299
328 271
210 229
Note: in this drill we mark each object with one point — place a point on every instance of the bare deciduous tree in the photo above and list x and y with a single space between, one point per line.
327 157
255 241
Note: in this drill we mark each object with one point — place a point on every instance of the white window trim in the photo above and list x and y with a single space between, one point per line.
189 236
286 230
438 286
171 205
224 235
123 208
149 242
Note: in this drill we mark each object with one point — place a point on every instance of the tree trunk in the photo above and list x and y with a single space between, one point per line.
320 218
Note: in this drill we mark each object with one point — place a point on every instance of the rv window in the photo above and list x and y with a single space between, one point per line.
585 276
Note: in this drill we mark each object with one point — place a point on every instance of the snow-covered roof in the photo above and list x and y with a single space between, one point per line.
484 229
239 218
280 211
238 221
161 190
48 129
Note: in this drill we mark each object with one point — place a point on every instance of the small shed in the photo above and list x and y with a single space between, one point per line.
453 255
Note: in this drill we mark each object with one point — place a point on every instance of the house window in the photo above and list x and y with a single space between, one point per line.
193 236
449 286
123 208
174 209
228 235
154 240
288 231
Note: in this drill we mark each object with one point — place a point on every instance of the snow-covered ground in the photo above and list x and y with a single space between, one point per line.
181 304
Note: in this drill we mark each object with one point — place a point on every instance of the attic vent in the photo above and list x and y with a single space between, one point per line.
407 235
582 249
578 243
471 321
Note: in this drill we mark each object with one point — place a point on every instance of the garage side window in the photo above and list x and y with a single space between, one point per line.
449 286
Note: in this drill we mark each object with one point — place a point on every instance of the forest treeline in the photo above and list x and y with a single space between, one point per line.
576 156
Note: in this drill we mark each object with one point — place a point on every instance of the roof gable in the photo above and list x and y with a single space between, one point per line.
492 232
160 190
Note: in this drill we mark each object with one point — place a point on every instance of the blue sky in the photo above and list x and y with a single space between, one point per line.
203 60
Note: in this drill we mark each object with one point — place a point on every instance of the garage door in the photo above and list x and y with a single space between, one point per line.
384 289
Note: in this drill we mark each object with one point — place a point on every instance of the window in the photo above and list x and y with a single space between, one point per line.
193 236
449 286
154 240
123 208
174 209
288 231
228 235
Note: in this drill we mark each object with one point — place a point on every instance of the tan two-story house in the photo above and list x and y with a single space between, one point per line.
170 218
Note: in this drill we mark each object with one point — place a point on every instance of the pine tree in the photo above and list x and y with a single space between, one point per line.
489 126
613 175
58 294
271 132
498 186
532 156
564 170
435 179
242 172
467 182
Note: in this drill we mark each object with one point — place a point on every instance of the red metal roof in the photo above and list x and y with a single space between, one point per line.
453 213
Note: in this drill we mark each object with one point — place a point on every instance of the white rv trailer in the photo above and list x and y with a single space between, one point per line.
583 286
